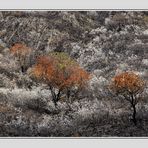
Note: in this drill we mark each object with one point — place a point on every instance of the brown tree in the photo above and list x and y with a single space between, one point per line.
61 73
22 53
129 85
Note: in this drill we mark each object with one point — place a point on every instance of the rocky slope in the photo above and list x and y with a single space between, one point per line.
103 43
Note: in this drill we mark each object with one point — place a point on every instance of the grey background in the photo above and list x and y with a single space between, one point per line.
73 4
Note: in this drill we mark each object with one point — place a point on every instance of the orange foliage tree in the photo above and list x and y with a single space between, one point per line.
130 86
61 73
22 53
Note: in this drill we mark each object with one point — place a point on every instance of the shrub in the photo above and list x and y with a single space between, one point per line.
116 22
145 19
61 74
129 86
57 39
119 18
22 53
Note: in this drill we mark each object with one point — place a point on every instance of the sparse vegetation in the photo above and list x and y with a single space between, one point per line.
55 68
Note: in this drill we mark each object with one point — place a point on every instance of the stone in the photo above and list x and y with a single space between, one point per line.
145 62
2 44
145 32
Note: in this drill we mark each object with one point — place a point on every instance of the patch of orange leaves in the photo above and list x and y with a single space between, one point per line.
127 81
20 50
48 70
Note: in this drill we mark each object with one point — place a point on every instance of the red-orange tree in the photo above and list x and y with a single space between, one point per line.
22 53
61 73
130 86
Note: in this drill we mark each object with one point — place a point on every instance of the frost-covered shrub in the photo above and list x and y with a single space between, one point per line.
24 81
56 40
7 82
7 64
37 104
18 95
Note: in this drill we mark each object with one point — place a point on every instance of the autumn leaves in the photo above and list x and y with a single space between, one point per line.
60 72
129 86
22 53
64 76
127 82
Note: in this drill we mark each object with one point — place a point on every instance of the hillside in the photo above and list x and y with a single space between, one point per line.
104 43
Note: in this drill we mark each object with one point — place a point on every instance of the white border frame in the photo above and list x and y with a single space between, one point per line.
73 4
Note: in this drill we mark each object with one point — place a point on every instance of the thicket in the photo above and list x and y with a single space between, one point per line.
65 78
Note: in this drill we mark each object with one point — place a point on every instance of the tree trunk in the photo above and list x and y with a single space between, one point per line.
68 101
58 96
22 69
134 110
134 115
54 98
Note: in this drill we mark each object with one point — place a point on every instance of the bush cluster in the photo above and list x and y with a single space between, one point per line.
65 78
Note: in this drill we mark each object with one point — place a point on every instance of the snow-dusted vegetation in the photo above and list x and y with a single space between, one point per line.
68 94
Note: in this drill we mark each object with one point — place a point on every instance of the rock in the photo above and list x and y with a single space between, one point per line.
110 53
123 66
145 62
2 32
97 72
6 51
107 21
98 30
145 32
102 81
92 13
1 56
94 82
142 74
96 39
2 45
97 82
